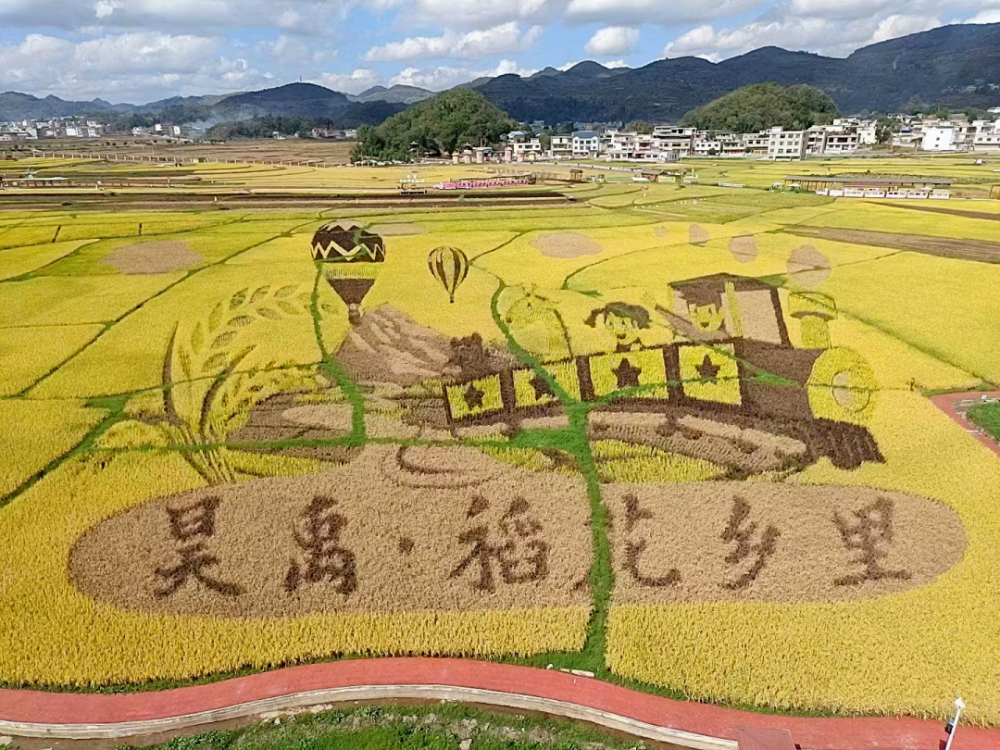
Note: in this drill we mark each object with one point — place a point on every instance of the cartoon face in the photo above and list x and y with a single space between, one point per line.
623 328
622 320
707 317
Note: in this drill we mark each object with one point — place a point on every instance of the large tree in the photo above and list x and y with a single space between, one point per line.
764 105
437 126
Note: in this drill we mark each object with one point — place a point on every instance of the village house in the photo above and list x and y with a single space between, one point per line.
586 144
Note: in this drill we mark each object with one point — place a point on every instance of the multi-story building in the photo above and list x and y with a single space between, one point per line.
845 141
528 147
706 144
815 139
755 144
673 142
786 144
586 144
987 136
867 135
562 146
629 147
941 138
672 131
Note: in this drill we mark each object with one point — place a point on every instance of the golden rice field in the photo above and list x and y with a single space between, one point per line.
679 437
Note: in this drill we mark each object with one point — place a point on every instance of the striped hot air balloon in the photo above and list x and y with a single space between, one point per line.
350 256
449 266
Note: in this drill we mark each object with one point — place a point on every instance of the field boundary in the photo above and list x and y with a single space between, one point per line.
955 405
702 726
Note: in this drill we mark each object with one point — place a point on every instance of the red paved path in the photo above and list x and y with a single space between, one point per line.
949 403
810 733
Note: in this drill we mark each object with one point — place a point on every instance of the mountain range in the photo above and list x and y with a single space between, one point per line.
956 65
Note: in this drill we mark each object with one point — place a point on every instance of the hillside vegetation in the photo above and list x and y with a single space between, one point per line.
764 105
437 126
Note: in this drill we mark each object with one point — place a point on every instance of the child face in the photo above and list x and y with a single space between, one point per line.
624 329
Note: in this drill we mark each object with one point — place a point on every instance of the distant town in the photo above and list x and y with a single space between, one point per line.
614 142
849 135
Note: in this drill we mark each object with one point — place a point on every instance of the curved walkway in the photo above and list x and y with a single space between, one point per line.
956 406
92 716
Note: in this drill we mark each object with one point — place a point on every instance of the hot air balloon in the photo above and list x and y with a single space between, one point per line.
449 266
351 257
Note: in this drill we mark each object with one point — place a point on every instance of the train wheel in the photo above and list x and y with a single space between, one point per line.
842 387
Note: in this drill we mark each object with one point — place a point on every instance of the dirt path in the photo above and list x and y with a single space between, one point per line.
944 247
952 212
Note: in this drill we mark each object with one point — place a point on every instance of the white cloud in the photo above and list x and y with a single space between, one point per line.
472 45
898 25
831 9
474 14
986 16
656 11
815 34
144 52
444 77
302 16
615 64
613 40
350 83
125 67
104 8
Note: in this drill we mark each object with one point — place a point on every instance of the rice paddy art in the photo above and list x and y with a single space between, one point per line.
690 453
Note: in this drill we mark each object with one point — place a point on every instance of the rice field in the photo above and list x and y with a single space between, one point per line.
677 437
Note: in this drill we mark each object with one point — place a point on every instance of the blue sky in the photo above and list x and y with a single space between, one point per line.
140 50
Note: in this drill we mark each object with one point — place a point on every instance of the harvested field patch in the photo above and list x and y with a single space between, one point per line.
944 247
484 536
808 267
566 245
697 235
762 542
743 249
153 258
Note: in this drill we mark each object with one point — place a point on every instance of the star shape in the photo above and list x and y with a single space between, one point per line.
627 374
708 370
542 388
473 397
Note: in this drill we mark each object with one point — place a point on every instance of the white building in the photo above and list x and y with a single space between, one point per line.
672 142
844 141
987 142
815 139
786 144
528 146
706 145
941 138
672 131
867 135
755 144
629 147
987 138
562 146
586 144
